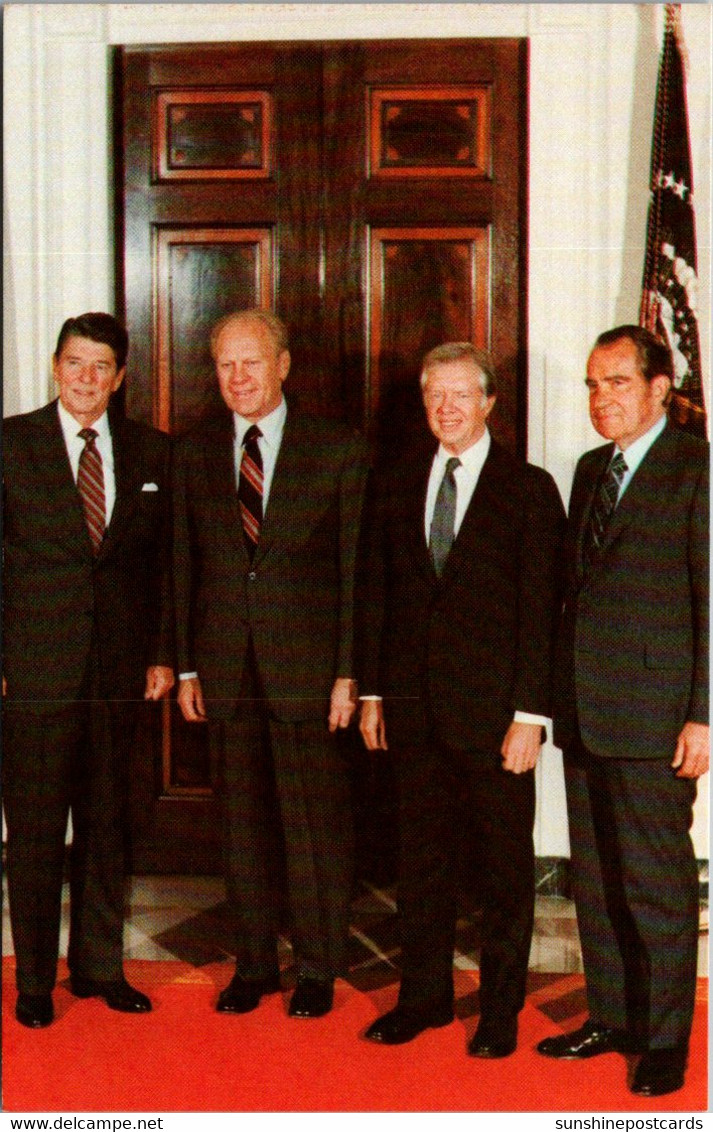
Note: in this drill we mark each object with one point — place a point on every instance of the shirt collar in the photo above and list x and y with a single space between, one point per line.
71 426
638 449
270 426
472 458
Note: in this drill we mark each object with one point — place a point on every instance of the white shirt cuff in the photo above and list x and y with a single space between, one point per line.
528 717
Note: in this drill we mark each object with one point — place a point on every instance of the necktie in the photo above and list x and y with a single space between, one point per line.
444 514
250 488
603 506
90 482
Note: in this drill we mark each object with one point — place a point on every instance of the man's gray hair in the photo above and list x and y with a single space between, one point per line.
457 351
270 321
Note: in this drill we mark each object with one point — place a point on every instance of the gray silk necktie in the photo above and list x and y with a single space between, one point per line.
444 516
603 506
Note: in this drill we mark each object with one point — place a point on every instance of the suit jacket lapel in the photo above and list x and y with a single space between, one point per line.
484 501
589 492
63 498
127 483
652 475
221 476
415 491
288 484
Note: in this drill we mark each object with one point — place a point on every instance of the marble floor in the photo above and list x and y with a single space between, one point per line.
185 918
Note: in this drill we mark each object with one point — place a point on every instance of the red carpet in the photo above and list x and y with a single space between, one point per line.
183 1057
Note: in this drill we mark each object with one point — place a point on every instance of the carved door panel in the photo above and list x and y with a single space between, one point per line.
374 194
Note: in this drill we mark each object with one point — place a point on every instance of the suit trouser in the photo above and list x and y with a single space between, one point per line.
434 782
635 885
67 760
284 788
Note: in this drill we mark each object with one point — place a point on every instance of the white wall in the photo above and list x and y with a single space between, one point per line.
592 84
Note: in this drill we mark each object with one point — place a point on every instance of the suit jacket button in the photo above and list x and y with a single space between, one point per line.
252 575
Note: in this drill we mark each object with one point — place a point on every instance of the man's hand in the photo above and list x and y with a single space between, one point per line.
190 700
159 681
692 751
372 726
521 746
342 704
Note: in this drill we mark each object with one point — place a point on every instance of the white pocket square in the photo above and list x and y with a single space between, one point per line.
150 487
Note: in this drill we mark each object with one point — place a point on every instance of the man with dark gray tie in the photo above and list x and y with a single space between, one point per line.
631 711
459 593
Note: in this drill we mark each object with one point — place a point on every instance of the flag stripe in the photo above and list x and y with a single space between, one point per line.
669 281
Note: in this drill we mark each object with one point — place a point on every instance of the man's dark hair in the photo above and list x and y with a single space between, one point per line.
99 327
653 355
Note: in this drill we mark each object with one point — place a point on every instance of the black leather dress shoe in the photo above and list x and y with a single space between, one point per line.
589 1040
34 1010
494 1039
402 1025
243 995
117 994
312 998
660 1071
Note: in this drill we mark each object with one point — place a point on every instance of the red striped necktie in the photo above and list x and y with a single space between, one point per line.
90 482
250 483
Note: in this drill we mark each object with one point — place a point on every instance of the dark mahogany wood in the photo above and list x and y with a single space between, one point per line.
201 274
439 131
428 285
374 193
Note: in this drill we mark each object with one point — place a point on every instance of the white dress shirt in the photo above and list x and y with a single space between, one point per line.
466 477
75 445
636 452
271 427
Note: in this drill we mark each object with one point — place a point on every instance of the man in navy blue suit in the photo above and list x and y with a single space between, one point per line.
631 710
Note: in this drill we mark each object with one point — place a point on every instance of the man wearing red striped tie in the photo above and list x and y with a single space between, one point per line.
267 509
87 630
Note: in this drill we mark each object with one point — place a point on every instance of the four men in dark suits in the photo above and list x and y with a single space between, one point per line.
267 512
87 633
457 607
459 598
631 710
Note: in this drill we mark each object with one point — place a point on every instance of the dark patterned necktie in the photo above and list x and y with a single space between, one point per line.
250 483
444 516
90 482
603 506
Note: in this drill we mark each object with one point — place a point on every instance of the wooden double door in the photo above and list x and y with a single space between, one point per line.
373 194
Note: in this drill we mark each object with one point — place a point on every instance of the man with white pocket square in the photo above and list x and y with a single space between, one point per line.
87 630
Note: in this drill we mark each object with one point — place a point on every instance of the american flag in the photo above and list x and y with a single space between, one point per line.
670 283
